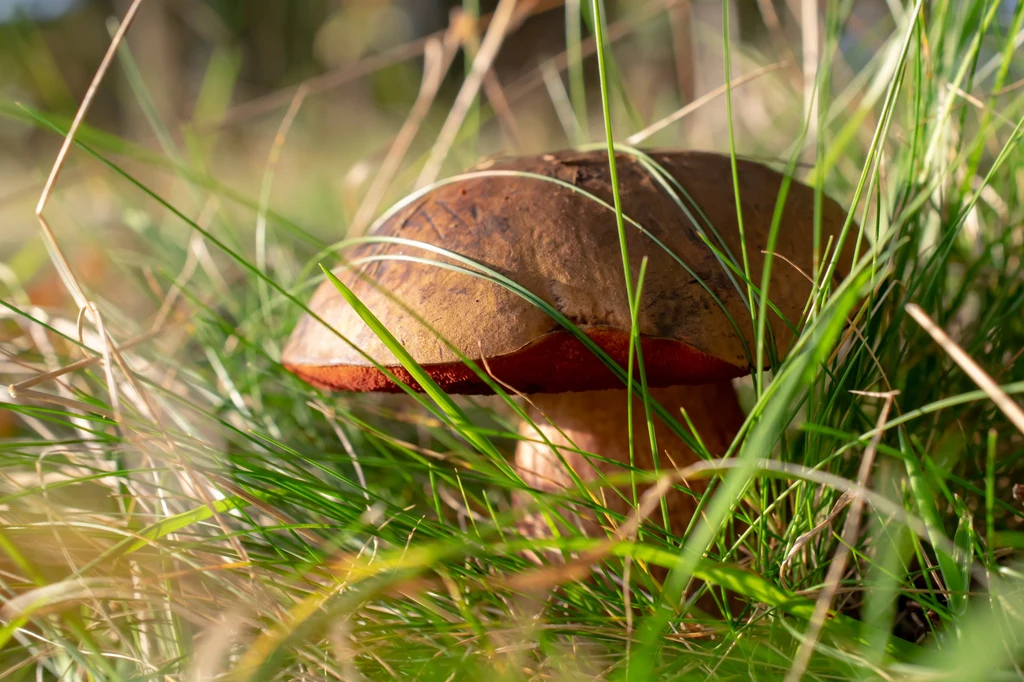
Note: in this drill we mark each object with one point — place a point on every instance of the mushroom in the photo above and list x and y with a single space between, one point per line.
546 222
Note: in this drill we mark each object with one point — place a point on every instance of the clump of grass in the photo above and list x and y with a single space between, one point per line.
176 505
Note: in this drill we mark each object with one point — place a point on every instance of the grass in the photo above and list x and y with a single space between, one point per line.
184 508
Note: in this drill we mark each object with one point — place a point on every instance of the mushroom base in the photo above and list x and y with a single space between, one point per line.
596 422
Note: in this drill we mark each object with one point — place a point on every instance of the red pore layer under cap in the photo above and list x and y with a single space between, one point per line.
555 363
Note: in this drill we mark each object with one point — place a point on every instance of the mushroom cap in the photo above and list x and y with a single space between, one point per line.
557 241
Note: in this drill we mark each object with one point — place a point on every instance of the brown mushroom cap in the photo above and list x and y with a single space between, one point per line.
563 246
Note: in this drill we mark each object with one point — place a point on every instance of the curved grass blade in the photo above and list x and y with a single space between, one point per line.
448 406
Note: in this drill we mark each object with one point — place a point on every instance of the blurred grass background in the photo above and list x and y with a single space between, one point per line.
219 77
266 123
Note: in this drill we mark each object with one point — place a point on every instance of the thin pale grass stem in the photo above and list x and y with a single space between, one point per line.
52 522
491 86
495 94
56 254
268 181
1016 85
187 270
171 450
314 539
727 55
615 32
633 299
810 39
573 57
679 114
852 328
985 382
36 330
210 265
345 443
459 506
109 349
83 108
438 56
851 528
842 503
561 102
19 388
680 19
978 103
774 26
489 47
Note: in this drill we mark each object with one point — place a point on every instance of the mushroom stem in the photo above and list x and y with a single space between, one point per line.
596 422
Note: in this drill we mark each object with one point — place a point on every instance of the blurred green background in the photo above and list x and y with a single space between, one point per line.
220 76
